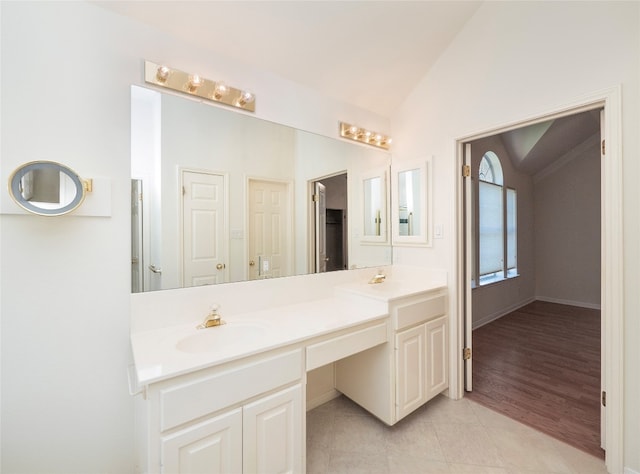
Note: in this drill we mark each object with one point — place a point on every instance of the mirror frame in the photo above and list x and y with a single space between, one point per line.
422 239
16 193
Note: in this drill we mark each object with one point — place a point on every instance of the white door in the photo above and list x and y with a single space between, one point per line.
273 433
270 249
203 229
410 370
320 201
469 256
603 320
211 447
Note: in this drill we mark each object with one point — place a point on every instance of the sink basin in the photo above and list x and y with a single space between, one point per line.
210 339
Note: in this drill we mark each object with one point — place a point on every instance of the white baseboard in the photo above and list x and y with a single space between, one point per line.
322 399
628 470
498 314
579 304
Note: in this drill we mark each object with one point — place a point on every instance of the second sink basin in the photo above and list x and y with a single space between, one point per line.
210 339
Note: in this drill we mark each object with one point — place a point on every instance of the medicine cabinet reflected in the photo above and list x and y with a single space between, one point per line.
374 211
412 200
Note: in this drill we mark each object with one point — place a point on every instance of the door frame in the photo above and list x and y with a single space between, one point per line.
611 277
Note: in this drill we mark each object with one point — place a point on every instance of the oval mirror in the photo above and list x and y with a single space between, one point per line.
46 188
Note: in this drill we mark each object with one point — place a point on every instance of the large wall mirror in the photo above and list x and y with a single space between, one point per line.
221 196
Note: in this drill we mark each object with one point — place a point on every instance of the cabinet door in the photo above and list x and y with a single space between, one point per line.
273 433
410 370
437 356
213 446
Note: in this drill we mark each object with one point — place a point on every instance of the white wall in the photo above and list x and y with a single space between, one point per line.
513 61
67 68
567 231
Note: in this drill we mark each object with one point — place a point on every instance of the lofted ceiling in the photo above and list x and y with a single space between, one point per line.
370 53
535 147
367 53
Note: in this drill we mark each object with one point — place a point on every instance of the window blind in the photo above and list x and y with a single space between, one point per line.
512 249
491 226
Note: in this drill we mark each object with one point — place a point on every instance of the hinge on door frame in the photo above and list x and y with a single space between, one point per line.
184 191
604 398
466 353
314 197
466 171
604 147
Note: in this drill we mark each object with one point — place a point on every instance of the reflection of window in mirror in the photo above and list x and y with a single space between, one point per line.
372 206
409 205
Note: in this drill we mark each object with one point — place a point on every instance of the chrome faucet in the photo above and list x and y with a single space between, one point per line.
212 319
378 277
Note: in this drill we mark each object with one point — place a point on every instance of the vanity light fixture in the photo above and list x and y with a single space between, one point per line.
196 85
359 134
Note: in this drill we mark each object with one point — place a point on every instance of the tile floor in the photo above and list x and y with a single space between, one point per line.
444 436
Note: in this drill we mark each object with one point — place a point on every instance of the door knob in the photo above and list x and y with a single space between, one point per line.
220 266
251 263
155 269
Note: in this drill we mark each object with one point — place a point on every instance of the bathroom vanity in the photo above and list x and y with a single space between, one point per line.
232 398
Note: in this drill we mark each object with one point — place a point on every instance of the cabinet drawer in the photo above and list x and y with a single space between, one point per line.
194 398
343 346
406 315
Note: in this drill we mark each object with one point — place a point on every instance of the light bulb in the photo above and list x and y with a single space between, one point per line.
162 74
221 90
195 81
245 98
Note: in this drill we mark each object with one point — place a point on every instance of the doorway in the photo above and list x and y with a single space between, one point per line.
330 223
611 263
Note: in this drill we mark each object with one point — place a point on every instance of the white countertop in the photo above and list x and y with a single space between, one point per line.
321 304
157 357
392 289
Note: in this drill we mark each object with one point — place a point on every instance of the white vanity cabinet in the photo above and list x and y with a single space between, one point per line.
395 379
241 417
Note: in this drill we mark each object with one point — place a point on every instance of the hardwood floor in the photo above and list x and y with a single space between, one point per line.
540 365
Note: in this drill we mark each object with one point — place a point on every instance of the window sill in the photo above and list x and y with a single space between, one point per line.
494 281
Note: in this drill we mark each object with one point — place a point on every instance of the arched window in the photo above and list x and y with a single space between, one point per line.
496 223
490 168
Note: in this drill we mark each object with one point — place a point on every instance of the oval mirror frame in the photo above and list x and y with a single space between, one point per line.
37 173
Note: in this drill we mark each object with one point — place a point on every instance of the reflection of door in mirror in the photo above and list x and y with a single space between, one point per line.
137 261
320 207
269 238
330 223
373 206
203 229
409 211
